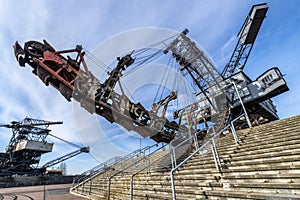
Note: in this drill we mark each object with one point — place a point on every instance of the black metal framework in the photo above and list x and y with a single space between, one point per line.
66 157
247 36
195 62
27 145
24 150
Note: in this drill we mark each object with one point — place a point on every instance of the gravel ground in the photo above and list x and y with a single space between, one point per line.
47 192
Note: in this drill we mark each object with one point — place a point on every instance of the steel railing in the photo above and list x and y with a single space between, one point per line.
172 148
214 151
167 154
115 162
136 163
96 170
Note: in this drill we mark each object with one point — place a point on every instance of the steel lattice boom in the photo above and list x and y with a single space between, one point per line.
247 36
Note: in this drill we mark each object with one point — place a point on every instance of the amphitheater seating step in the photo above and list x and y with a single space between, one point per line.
265 165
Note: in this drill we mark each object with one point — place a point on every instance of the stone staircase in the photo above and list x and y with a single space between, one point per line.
265 165
96 186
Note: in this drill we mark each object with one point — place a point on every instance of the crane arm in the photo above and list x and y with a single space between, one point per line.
247 36
66 76
66 157
30 122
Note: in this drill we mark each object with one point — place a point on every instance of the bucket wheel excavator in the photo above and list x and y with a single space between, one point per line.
220 95
26 146
65 74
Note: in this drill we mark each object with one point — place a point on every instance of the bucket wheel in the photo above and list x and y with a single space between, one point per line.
34 49
37 49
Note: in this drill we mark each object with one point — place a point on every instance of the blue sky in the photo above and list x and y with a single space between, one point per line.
213 24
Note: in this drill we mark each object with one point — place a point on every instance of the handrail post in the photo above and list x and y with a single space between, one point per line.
213 151
196 141
90 190
171 154
148 163
236 139
215 154
241 101
82 190
131 187
174 156
173 185
90 177
108 189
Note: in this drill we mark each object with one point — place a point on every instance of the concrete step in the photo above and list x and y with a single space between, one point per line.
272 134
262 178
250 142
292 151
252 159
181 177
263 158
244 148
263 169
216 193
221 194
155 196
267 185
178 183
267 188
267 147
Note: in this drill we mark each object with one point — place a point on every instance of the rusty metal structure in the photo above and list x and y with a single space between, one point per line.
65 75
221 96
26 146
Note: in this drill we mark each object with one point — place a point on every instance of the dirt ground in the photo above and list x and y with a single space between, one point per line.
47 192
